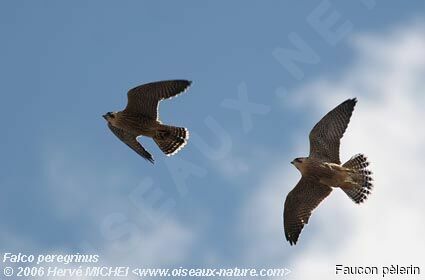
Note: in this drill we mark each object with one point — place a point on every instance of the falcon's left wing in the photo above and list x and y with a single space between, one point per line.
144 99
326 135
131 141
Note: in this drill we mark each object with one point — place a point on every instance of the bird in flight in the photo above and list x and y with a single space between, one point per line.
140 117
322 170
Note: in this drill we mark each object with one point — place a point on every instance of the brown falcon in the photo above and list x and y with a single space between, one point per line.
140 117
322 170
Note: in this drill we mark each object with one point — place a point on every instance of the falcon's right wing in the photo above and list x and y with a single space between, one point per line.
131 141
299 204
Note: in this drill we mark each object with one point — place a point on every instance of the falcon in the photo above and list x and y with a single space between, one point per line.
322 171
140 118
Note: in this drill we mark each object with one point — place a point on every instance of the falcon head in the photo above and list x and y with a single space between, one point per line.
109 116
298 162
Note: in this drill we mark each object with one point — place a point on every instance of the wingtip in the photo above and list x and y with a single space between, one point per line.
351 101
189 82
291 239
292 242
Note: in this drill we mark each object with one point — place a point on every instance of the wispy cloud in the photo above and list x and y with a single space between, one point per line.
387 126
118 227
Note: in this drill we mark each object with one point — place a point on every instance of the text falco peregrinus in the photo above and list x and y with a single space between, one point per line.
322 170
140 117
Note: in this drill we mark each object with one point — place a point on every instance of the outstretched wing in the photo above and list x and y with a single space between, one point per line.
144 99
299 204
326 135
131 141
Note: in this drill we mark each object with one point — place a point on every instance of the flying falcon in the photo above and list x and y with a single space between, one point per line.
322 170
140 117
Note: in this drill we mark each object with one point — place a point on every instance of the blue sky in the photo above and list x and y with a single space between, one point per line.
64 175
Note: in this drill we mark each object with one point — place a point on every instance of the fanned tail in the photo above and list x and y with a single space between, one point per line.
171 139
361 177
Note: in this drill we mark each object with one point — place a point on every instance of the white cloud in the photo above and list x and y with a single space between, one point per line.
232 166
387 125
167 243
124 233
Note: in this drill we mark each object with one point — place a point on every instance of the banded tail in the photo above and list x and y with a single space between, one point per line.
171 139
361 177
